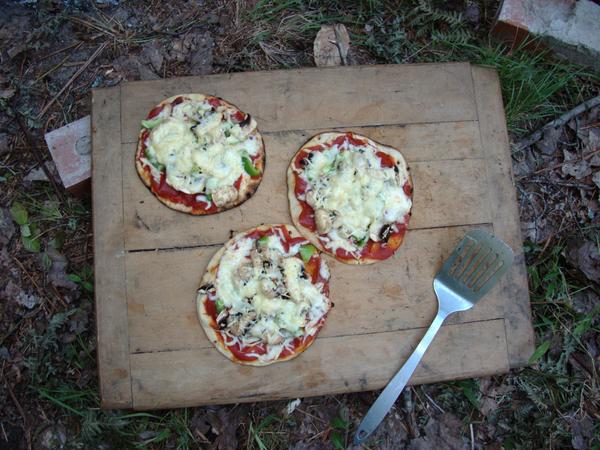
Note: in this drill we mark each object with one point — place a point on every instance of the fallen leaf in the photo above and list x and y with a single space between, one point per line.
28 301
575 166
58 270
331 46
441 433
549 142
7 94
3 143
52 438
78 322
586 257
582 432
472 13
36 174
201 58
152 53
596 179
7 227
291 406
224 423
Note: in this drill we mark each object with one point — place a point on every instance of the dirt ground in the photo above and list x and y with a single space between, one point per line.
54 52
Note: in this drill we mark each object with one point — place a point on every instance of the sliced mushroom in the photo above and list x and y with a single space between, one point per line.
224 195
257 259
273 338
242 324
268 288
245 272
385 232
323 221
222 317
311 198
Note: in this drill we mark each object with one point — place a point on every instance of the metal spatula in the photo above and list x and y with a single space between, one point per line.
473 268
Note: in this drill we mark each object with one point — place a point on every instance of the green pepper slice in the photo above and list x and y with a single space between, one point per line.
149 124
306 252
249 167
220 306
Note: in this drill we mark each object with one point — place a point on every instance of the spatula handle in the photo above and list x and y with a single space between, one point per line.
386 399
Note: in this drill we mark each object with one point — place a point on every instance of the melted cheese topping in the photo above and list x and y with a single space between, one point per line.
199 147
359 196
266 295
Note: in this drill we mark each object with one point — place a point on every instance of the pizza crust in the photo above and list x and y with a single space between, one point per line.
248 187
296 207
208 323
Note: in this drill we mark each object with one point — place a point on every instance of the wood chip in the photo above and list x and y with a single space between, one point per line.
331 46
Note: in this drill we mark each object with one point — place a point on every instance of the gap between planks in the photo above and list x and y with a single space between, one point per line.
313 131
219 244
325 338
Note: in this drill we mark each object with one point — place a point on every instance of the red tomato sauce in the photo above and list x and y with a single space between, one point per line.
214 102
177 101
238 116
386 160
164 190
154 112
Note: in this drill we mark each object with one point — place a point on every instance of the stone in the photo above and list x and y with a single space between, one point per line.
570 28
71 150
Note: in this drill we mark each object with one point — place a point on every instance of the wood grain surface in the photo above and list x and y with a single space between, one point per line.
448 121
109 254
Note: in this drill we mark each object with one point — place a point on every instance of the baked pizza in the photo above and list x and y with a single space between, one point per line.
350 196
200 154
264 296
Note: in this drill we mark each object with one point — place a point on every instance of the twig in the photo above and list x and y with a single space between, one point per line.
33 149
472 437
60 50
556 166
434 403
73 78
559 122
585 187
20 409
311 415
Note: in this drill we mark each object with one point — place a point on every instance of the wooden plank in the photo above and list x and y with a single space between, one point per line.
343 96
393 295
109 261
519 331
332 365
442 189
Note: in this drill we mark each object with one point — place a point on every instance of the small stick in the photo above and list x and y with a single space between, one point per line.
546 169
60 50
559 122
37 156
73 78
472 437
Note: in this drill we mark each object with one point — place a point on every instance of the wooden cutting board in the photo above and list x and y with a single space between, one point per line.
447 119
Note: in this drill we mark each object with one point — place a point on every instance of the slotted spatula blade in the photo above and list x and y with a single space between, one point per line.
475 265
473 268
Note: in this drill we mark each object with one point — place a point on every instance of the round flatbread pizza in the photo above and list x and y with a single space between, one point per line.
264 296
350 196
200 154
